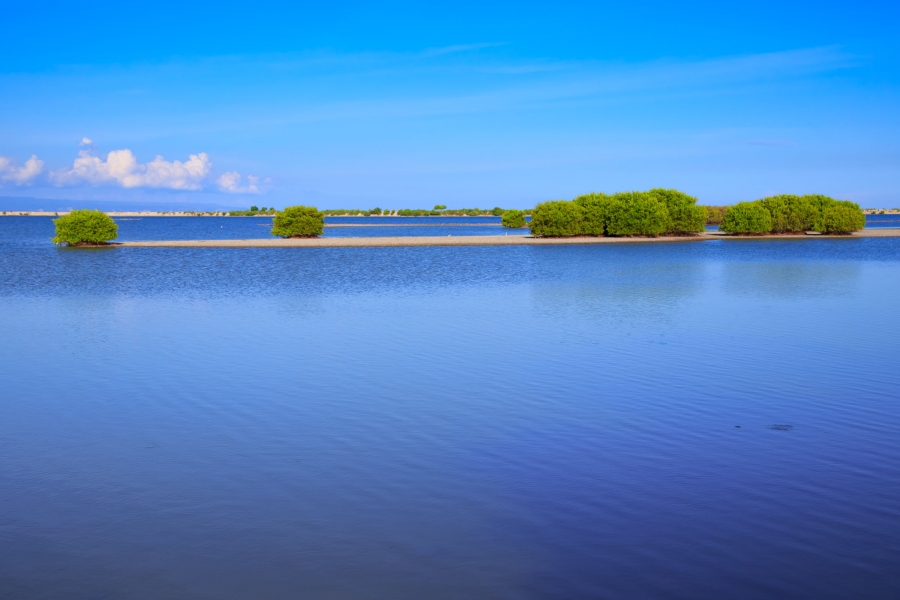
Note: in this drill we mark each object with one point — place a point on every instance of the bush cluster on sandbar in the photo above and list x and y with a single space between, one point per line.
85 228
513 219
793 214
298 221
656 212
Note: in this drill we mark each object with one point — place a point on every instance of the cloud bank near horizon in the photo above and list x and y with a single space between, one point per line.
24 175
121 168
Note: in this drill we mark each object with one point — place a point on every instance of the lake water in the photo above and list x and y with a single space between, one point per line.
708 420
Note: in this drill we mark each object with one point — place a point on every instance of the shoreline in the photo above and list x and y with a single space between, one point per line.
50 213
478 240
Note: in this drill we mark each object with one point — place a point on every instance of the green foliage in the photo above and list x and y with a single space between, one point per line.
595 212
439 207
747 217
790 214
497 212
298 221
715 214
254 211
836 216
85 227
637 213
556 218
375 211
513 219
842 217
684 214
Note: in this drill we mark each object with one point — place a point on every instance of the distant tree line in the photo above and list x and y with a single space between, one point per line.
437 211
254 211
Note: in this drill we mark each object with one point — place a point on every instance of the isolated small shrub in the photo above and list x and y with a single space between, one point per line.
595 212
298 221
637 213
844 217
85 227
684 214
747 217
790 214
514 219
556 218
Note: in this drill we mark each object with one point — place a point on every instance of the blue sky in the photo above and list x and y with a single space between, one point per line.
401 104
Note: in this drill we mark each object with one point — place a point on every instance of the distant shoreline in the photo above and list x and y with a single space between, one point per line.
50 213
478 240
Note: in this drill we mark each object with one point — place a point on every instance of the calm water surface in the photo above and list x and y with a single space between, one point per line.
515 422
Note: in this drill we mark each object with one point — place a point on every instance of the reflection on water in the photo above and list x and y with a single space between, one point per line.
614 292
796 280
522 422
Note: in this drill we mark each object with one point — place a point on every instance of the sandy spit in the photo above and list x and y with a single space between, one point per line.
468 240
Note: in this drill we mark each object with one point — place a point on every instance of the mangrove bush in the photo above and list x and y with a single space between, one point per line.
637 213
556 218
790 214
841 217
747 218
685 217
298 221
714 214
594 213
85 228
513 219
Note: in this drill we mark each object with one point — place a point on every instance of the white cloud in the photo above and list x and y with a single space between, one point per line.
231 182
86 142
121 167
23 175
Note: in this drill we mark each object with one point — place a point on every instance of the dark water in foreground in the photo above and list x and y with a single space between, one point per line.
463 422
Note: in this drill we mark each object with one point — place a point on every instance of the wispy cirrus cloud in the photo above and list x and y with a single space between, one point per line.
24 175
460 48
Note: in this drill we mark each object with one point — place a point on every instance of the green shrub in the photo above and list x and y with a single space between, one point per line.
514 219
637 213
298 221
715 214
684 214
843 217
556 218
594 212
790 214
85 227
747 217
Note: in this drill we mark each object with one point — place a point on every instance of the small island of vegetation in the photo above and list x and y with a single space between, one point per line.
85 228
674 213
653 213
786 214
298 222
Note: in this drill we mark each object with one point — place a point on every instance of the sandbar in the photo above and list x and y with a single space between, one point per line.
478 240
